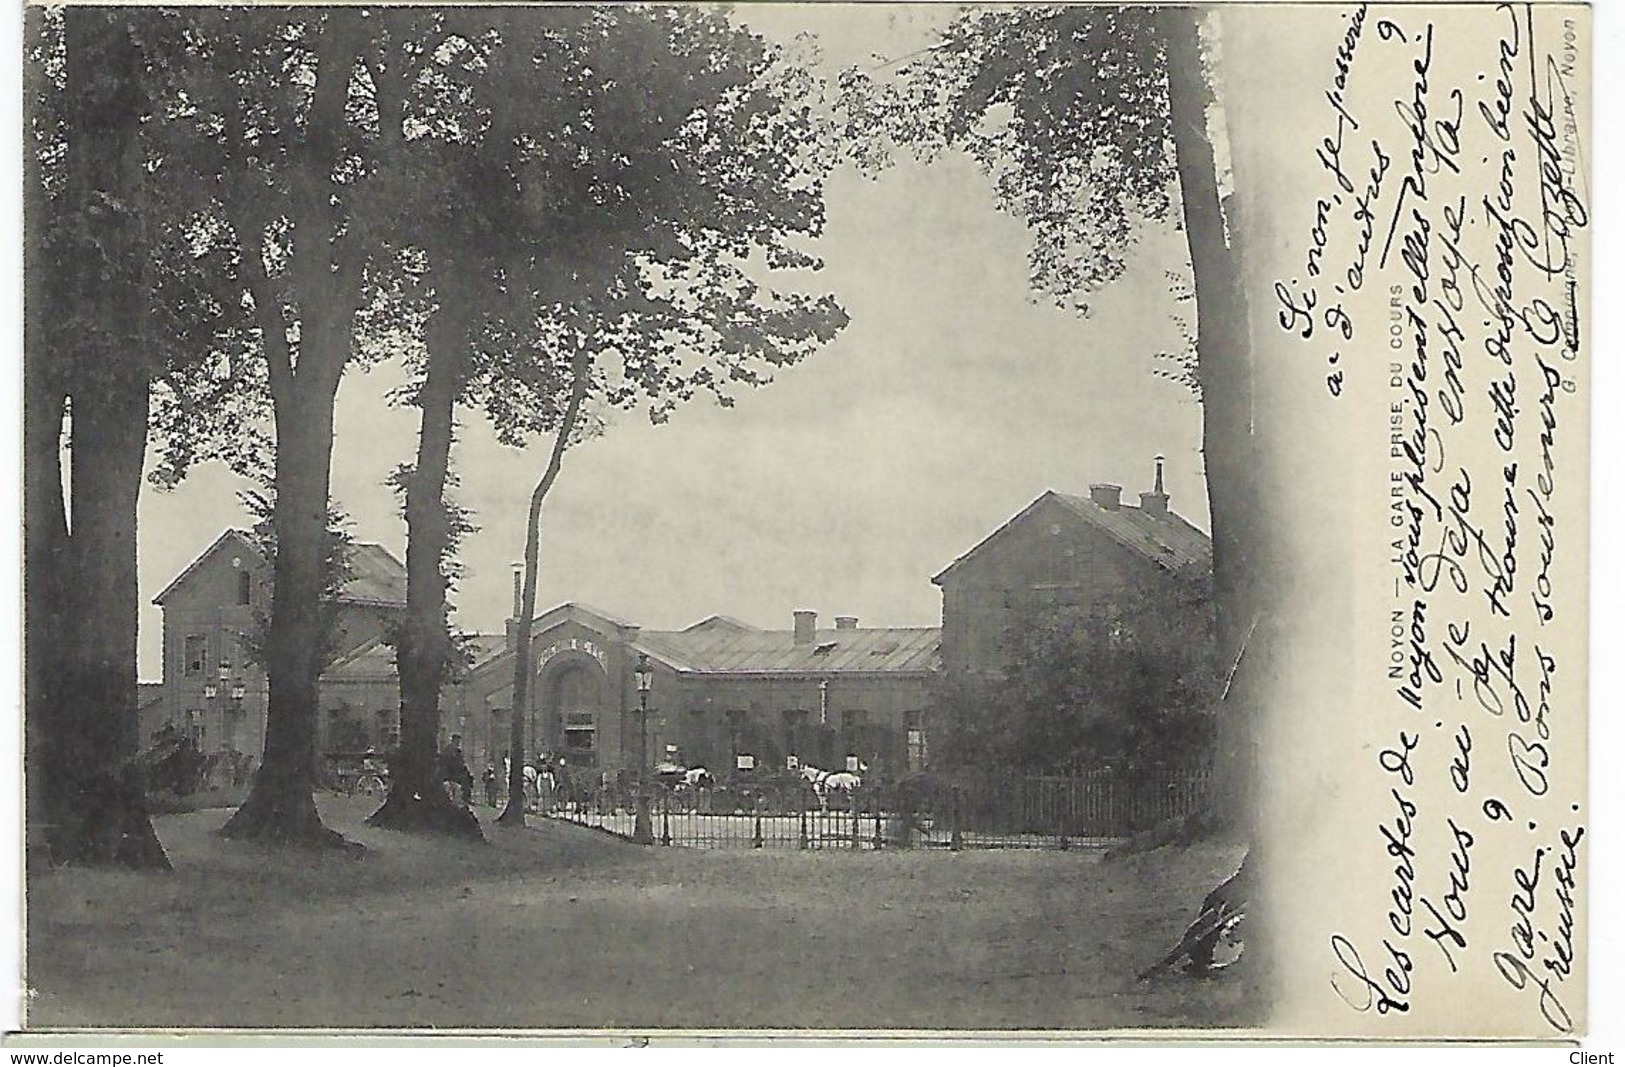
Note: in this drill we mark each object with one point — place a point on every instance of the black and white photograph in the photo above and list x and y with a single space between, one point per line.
805 519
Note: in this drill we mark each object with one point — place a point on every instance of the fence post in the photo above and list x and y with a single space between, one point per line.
665 818
955 840
801 813
852 810
880 836
756 839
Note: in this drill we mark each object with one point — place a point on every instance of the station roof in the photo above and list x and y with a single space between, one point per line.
732 650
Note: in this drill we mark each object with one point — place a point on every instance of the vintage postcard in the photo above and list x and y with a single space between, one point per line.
935 520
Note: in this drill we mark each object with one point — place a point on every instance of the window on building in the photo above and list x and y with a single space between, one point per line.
245 587
735 724
795 729
918 756
855 739
698 738
196 653
195 728
580 733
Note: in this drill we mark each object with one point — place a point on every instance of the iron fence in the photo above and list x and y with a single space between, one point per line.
955 812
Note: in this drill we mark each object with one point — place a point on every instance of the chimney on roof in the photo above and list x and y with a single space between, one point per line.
1155 502
846 622
806 626
512 628
518 587
1106 495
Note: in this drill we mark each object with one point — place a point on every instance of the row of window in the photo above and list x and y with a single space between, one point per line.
718 745
580 729
195 653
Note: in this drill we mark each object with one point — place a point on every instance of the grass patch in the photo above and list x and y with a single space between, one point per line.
558 926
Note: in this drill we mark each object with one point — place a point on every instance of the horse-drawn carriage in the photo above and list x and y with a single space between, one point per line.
752 788
685 788
356 773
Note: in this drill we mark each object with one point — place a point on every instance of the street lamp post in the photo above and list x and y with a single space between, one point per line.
642 829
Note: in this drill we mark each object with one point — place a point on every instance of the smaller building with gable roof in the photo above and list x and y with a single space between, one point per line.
213 687
1092 554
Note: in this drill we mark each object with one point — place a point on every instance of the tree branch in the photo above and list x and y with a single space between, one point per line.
268 313
580 381
389 94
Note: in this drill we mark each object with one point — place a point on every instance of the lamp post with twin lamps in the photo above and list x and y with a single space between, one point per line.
642 829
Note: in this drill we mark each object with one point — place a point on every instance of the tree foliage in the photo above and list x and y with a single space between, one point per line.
600 201
640 202
496 195
337 569
1128 691
1066 109
1094 122
132 340
263 129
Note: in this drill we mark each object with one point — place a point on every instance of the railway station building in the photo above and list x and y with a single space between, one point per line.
722 690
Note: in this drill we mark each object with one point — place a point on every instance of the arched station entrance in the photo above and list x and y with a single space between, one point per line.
574 708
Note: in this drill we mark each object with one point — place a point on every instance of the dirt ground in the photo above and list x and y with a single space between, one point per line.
558 926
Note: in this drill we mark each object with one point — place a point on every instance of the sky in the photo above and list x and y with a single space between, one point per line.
948 404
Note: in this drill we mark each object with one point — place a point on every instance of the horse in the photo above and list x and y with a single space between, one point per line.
824 781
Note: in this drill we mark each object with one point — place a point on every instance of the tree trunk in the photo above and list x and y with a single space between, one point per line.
281 807
84 579
417 799
1222 350
514 813
580 366
109 444
93 788
45 547
45 522
325 275
1225 372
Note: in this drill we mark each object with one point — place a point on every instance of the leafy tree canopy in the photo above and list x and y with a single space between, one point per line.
1133 691
627 181
1065 107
